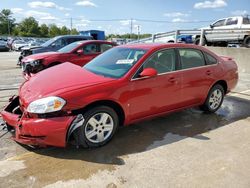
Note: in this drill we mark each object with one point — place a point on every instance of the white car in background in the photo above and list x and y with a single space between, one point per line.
224 37
18 44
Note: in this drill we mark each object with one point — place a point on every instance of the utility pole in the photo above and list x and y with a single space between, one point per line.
138 32
131 27
71 25
8 26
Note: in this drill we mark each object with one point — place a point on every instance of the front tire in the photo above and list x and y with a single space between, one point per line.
246 42
98 128
197 41
214 99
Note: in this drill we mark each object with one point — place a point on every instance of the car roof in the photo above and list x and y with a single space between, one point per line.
74 36
230 17
151 46
95 41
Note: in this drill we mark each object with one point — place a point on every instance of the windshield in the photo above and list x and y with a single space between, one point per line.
49 42
69 47
115 62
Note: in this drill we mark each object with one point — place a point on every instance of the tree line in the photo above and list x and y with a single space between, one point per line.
29 27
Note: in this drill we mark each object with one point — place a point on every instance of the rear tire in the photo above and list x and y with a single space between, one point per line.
100 124
246 42
214 99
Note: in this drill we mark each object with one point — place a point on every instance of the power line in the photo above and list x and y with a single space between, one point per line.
71 24
166 21
135 19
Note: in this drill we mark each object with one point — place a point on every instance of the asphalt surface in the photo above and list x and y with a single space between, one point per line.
183 149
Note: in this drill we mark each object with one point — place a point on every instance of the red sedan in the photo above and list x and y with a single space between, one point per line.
78 53
124 85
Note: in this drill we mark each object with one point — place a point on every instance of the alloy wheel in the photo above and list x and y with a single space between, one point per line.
99 127
215 99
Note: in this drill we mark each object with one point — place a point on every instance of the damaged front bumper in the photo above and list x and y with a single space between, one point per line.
53 131
24 53
31 68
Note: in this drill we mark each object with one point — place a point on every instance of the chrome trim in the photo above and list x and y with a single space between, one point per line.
193 68
146 77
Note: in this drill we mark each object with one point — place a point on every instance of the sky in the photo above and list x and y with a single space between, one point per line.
114 16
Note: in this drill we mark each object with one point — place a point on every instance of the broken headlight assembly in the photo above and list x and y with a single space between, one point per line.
32 66
46 105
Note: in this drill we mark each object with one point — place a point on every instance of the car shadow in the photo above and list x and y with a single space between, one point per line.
157 132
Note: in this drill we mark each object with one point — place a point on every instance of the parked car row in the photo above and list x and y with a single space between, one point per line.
78 53
53 44
17 43
4 46
88 99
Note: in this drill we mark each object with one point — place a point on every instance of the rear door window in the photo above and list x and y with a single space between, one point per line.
59 43
210 59
232 21
246 20
91 49
70 40
191 58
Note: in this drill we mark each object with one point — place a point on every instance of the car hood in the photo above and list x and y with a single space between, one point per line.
39 56
31 47
58 80
39 49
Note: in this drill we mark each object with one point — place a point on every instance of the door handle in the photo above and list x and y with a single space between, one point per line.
172 79
208 72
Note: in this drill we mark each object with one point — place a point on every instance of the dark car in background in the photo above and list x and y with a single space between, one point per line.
78 53
3 46
52 45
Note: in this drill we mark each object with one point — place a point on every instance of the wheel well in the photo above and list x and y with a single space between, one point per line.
223 83
170 41
245 36
197 36
115 106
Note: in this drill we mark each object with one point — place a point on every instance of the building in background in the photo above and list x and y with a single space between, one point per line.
96 34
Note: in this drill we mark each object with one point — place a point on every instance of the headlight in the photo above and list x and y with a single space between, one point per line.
46 105
35 62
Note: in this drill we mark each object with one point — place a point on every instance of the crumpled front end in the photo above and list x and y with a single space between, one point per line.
31 67
24 53
37 131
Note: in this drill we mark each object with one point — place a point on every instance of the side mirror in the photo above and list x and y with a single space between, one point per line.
211 26
79 52
148 72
